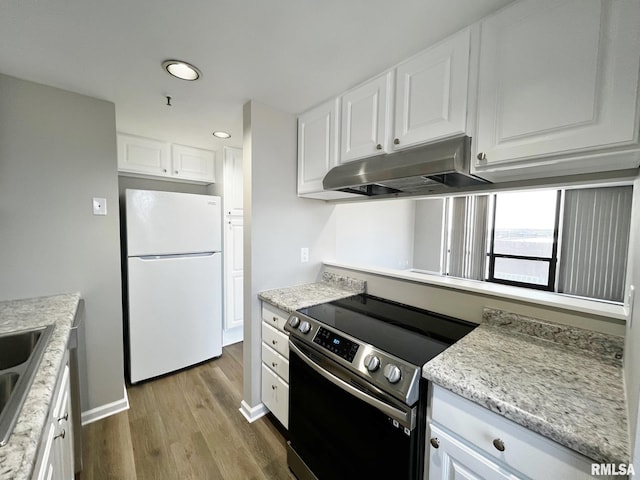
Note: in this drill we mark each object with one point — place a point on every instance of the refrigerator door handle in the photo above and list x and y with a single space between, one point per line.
179 255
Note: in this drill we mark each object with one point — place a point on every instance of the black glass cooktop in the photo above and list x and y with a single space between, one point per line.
410 333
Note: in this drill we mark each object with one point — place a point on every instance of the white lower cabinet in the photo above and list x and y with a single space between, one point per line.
467 441
55 456
275 363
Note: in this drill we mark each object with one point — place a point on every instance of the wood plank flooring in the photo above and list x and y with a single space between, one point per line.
186 426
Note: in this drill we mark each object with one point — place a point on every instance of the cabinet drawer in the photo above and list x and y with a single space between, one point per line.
524 450
275 395
275 362
275 339
274 316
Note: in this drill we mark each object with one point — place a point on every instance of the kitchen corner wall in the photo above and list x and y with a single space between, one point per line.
277 223
632 338
57 152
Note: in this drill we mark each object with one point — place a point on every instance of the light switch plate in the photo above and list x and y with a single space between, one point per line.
304 255
99 206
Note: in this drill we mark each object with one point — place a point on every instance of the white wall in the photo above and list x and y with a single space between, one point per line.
375 233
57 151
276 225
428 235
632 339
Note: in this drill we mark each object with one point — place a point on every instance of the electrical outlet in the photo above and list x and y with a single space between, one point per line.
99 206
304 255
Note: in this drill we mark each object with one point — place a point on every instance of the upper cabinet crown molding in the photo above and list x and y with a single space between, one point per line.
146 157
558 80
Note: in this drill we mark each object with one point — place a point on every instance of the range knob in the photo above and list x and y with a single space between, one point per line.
392 373
294 322
371 362
304 327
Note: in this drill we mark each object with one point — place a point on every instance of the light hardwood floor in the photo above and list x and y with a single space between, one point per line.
186 426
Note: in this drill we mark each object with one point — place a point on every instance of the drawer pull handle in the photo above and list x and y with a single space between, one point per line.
275 319
482 156
273 387
499 444
275 342
60 435
435 443
274 364
378 147
65 417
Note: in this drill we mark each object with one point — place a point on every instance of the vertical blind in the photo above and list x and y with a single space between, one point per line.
595 242
467 237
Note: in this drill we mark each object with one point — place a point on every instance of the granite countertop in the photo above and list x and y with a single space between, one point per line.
564 383
17 457
331 287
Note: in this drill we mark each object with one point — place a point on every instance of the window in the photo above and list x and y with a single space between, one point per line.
524 239
571 241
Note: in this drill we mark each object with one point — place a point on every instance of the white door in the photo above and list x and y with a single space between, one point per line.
166 223
557 77
175 313
364 119
234 273
233 181
431 93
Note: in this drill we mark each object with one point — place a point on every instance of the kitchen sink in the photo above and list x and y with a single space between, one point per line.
16 348
20 356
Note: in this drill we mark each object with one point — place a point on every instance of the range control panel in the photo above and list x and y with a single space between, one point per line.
337 344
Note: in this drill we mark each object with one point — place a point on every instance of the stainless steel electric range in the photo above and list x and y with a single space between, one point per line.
357 400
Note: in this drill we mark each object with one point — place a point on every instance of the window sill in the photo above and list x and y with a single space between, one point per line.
564 302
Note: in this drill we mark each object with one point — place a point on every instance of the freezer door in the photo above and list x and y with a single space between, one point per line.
175 313
165 223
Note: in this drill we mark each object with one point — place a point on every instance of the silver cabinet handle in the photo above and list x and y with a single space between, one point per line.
499 444
378 147
65 417
435 443
482 156
176 171
164 170
60 435
274 342
274 364
396 141
273 387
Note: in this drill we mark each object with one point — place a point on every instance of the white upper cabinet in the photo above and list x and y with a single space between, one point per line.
146 157
365 120
431 93
233 181
143 155
557 88
317 149
191 163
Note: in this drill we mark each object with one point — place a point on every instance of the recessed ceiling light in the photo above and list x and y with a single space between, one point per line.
182 70
221 134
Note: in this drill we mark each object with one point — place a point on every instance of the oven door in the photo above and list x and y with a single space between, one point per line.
342 428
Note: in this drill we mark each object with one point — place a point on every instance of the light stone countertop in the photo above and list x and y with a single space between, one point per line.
564 383
332 287
18 456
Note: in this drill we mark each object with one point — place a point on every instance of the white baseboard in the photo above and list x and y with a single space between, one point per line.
233 335
253 413
107 410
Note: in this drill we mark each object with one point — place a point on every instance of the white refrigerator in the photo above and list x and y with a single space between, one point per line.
174 281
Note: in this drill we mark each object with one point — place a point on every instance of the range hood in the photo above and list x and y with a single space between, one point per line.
422 170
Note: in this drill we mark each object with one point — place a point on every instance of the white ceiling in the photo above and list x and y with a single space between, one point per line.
289 54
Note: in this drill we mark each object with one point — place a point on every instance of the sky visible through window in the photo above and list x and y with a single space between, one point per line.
524 225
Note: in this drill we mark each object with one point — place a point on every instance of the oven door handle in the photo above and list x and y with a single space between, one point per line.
404 418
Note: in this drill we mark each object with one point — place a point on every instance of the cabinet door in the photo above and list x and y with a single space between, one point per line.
317 146
189 163
453 460
431 93
364 119
143 155
233 181
275 395
234 273
557 78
